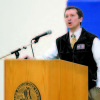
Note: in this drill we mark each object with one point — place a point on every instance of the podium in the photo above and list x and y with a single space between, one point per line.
45 80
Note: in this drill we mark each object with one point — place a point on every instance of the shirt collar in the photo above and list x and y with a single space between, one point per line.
77 33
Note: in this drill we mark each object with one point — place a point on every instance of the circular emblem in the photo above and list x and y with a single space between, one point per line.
27 91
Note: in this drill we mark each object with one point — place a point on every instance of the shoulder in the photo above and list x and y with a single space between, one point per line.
89 35
63 37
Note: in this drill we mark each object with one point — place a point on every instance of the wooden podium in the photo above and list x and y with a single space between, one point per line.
45 80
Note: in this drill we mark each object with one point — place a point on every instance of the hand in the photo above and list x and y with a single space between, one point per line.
28 57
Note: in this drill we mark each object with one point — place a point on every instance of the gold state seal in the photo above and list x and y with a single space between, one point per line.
27 91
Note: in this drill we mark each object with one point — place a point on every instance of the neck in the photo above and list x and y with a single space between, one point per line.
74 29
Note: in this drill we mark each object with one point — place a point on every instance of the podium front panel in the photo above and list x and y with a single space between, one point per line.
45 80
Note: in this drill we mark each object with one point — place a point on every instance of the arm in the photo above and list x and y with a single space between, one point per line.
50 54
96 54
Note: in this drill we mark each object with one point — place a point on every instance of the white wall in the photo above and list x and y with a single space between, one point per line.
21 20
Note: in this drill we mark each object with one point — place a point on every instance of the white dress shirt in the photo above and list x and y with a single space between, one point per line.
52 53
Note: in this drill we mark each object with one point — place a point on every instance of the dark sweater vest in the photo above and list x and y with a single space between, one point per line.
81 53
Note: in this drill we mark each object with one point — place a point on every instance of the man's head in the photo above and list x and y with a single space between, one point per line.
73 17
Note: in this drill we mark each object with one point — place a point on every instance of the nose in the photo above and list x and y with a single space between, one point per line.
69 18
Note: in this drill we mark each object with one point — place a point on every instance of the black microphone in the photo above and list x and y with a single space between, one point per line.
46 33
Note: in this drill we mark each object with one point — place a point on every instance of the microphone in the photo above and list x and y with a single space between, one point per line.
45 33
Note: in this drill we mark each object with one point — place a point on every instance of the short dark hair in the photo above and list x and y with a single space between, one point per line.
79 12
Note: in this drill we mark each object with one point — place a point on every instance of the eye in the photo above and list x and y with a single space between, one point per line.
72 15
66 16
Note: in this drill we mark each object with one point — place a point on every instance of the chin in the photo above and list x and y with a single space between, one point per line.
70 27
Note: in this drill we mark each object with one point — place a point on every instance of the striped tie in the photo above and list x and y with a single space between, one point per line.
73 40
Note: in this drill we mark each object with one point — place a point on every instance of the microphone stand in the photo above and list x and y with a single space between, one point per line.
36 39
16 52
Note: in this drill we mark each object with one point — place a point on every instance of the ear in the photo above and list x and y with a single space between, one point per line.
81 19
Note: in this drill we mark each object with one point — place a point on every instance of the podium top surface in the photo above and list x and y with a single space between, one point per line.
35 60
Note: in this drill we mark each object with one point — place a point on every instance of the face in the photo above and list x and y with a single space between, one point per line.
72 19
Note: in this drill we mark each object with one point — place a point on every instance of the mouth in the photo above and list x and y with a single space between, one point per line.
69 23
